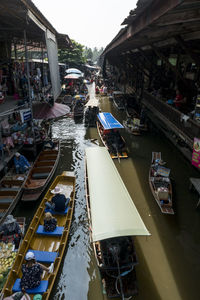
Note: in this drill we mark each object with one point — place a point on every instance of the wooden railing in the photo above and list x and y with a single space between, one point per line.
190 129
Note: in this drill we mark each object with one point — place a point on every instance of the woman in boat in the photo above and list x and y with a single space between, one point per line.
59 202
21 163
31 272
11 231
50 222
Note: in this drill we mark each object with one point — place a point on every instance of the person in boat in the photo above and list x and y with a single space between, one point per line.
21 163
49 144
31 272
50 222
11 231
58 202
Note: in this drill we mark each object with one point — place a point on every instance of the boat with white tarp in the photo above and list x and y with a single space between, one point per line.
114 221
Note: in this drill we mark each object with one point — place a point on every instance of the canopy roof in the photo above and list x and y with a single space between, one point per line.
44 111
73 70
108 121
113 212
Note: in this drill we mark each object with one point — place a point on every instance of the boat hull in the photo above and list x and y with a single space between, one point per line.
165 208
47 161
120 155
49 243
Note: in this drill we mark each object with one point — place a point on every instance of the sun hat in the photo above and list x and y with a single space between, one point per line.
17 154
29 256
56 190
9 219
48 216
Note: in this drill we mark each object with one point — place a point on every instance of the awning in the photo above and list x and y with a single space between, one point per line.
108 121
74 71
72 76
113 212
44 111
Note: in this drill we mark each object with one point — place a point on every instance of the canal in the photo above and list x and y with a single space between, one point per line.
169 265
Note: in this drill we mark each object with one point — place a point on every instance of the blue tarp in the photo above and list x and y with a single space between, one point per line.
108 121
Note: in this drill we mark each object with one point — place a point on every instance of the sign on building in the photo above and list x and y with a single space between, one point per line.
25 115
196 153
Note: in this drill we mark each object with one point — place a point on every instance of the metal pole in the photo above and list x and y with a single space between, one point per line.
29 87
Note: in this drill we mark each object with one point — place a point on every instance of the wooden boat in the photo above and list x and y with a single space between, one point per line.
78 108
112 235
118 100
41 173
132 114
91 116
8 254
160 184
11 187
47 247
133 126
107 127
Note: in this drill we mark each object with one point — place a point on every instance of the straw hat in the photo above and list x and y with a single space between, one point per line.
29 256
48 216
56 190
9 219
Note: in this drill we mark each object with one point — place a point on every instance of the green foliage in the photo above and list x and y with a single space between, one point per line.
92 54
72 56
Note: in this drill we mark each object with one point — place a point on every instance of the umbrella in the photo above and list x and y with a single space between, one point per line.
74 71
44 111
79 97
72 76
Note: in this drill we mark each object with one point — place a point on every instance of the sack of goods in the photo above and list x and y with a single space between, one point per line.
163 193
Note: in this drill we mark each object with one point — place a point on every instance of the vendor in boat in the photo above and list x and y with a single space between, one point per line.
21 163
58 202
31 272
11 231
50 222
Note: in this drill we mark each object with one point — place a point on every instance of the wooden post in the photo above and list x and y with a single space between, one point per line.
187 50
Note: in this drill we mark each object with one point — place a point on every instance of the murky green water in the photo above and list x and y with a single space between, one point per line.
169 265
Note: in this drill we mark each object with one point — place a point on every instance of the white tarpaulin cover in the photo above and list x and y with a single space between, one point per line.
113 212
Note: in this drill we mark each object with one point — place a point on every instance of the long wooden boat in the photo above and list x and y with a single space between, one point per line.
47 247
160 184
132 125
132 113
41 173
107 127
91 116
8 253
114 221
11 187
118 100
78 108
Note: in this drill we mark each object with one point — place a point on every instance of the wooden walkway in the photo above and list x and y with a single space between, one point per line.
195 183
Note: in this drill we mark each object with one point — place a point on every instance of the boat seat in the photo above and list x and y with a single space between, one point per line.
40 175
53 212
10 189
41 289
44 256
57 232
6 200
